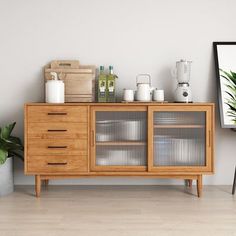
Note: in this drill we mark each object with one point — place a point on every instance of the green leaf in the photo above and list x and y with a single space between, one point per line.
233 74
232 96
233 83
232 108
232 89
15 140
229 80
15 153
6 131
228 76
3 156
10 145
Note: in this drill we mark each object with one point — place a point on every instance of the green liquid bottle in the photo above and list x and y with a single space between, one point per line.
111 81
102 86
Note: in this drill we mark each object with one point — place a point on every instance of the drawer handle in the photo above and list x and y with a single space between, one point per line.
57 130
57 163
57 113
57 146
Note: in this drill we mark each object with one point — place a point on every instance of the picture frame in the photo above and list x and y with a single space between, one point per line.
225 67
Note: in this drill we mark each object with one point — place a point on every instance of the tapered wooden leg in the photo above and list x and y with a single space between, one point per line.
234 183
45 182
190 183
199 185
37 185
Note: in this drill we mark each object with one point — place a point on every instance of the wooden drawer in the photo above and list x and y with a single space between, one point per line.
57 113
57 147
57 164
58 130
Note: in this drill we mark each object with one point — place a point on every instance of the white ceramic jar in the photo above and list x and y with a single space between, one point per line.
128 95
158 95
55 90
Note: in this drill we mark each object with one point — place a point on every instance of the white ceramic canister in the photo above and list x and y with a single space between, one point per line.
55 90
128 95
158 95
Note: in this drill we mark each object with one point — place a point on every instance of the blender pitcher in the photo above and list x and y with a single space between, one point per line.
182 71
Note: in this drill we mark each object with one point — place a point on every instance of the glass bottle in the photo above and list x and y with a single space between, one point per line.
102 86
111 80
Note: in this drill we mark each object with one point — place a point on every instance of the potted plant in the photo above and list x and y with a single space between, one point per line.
10 146
231 85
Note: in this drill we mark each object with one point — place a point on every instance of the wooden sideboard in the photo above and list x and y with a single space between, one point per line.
169 140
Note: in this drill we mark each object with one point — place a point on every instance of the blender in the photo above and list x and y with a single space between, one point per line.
183 92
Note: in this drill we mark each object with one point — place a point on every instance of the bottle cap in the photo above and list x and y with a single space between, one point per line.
101 67
110 67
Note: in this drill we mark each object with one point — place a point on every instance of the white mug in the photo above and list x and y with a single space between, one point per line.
158 95
128 95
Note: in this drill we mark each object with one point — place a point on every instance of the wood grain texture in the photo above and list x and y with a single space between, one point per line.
25 137
38 184
58 130
72 153
111 108
209 127
124 104
199 185
57 164
118 211
57 113
57 147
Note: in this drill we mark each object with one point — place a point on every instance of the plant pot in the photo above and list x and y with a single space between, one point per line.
6 177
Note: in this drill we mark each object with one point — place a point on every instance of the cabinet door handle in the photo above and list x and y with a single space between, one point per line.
93 138
57 147
209 138
57 113
57 130
57 163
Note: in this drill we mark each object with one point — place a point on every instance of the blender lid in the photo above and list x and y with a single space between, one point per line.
183 84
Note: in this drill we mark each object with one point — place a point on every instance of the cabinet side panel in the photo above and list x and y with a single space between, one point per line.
25 138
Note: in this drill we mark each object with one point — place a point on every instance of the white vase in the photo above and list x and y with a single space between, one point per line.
6 177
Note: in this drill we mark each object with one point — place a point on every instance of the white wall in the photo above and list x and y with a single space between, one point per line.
135 36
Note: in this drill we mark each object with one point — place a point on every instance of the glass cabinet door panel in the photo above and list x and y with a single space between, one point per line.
179 118
121 156
179 139
121 138
121 126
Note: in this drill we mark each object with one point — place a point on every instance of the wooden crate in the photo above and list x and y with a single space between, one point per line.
79 79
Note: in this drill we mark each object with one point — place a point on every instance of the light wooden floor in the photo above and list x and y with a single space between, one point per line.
118 210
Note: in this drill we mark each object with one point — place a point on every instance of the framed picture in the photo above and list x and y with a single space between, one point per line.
225 64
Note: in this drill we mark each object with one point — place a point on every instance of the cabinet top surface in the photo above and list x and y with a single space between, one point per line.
121 104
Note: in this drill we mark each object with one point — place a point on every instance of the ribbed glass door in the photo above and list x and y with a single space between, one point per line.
179 138
120 140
